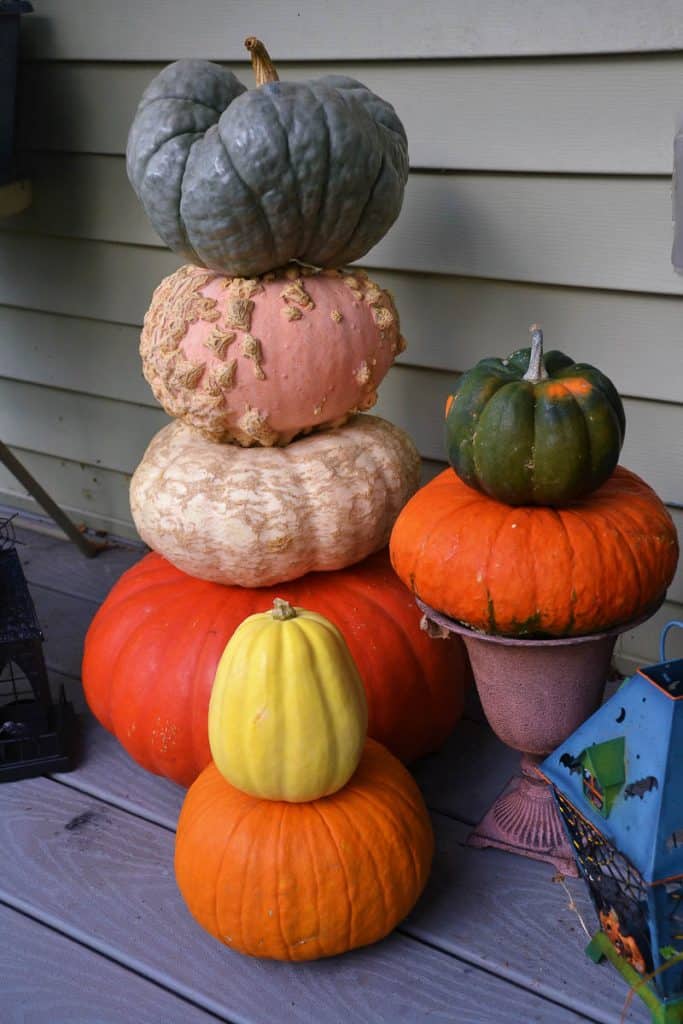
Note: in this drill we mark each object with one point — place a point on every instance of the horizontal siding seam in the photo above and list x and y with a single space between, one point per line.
19 450
374 267
414 169
418 171
80 391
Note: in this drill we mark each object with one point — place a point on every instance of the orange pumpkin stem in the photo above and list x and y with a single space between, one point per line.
536 370
262 65
282 610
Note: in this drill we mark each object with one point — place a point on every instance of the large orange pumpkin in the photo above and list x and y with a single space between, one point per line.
532 571
153 647
306 880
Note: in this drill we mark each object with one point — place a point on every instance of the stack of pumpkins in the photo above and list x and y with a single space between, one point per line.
273 482
538 533
302 839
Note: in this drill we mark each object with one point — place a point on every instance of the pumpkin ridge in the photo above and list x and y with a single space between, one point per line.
208 808
585 521
181 220
572 562
602 384
376 603
424 544
157 680
344 246
613 522
590 445
371 196
197 703
164 141
305 640
112 689
181 99
406 647
349 927
333 744
489 555
278 873
398 792
252 847
369 851
322 202
585 412
295 175
375 750
180 226
399 826
310 846
256 198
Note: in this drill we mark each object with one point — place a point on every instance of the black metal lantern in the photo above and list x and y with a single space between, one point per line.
36 736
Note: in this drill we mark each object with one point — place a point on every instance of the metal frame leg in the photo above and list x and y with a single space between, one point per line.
87 547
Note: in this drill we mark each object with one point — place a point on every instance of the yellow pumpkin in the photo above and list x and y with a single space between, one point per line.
287 715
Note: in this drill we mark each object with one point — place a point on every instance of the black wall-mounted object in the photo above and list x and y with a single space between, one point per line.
10 13
36 735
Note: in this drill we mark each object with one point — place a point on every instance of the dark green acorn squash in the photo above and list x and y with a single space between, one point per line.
533 429
243 181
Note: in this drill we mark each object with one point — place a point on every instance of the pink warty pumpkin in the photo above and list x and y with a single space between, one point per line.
259 361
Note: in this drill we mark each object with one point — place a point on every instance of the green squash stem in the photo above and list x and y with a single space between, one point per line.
536 370
262 65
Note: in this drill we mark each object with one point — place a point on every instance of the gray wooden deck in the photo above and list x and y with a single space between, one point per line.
94 930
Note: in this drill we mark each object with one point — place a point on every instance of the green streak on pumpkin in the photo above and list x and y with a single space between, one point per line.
491 611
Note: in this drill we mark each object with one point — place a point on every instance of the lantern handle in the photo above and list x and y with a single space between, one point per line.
662 639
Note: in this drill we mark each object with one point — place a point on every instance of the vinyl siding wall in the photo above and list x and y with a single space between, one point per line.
541 145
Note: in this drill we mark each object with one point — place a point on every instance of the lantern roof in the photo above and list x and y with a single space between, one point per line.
633 744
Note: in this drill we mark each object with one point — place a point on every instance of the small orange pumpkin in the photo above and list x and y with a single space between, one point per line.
533 571
307 880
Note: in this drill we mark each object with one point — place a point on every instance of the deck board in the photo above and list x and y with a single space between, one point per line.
62 997
495 911
491 940
105 878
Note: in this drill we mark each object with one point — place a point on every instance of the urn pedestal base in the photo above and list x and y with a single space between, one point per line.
524 820
535 693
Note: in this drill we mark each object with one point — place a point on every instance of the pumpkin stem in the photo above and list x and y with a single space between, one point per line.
262 65
282 610
536 370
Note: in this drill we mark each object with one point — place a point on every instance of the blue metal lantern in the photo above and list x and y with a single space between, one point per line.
618 781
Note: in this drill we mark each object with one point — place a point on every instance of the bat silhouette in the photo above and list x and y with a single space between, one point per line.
641 787
571 762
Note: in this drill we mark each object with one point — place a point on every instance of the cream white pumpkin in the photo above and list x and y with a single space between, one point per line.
258 361
259 516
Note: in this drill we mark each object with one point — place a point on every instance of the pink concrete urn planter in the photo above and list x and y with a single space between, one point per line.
535 693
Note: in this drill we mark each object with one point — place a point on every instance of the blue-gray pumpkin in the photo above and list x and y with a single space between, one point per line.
244 181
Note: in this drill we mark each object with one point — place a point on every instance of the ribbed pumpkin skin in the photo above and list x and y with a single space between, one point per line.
543 443
529 571
304 881
244 181
256 516
258 361
287 715
153 647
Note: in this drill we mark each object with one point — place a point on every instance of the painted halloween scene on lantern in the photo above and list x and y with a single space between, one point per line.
341 616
